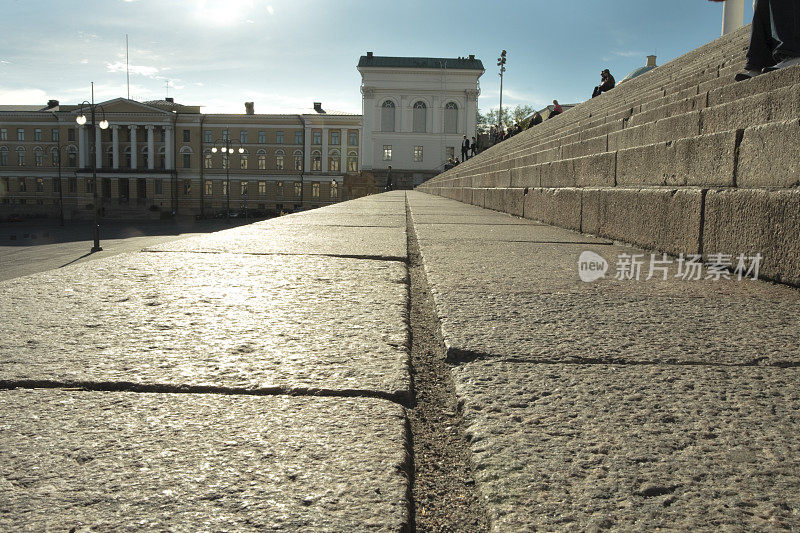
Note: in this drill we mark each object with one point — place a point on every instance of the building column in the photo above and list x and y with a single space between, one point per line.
98 147
151 147
83 146
368 129
115 145
134 147
343 147
325 133
307 148
169 148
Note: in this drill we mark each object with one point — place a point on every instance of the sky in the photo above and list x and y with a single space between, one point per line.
286 54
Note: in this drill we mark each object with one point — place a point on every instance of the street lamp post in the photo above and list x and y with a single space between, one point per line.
226 147
501 62
81 120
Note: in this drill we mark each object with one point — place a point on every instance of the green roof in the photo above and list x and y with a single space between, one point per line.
421 62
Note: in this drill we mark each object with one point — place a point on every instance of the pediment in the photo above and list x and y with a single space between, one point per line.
123 105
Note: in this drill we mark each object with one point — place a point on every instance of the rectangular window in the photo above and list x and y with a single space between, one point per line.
279 162
352 139
209 188
21 158
3 158
23 185
72 160
243 161
417 154
159 187
38 158
71 134
387 152
187 160
243 136
207 136
316 137
72 185
224 188
54 135
3 134
279 137
244 188
262 162
187 187
450 151
298 137
186 136
37 134
335 138
225 135
315 190
262 137
39 185
298 188
279 188
262 188
20 134
207 161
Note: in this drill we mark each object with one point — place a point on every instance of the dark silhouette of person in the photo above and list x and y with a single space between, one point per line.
606 83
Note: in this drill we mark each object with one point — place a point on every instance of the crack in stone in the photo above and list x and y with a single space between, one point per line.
343 256
400 398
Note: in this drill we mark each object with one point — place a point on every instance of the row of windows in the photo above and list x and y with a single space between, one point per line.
387 153
37 134
334 160
280 138
262 188
72 185
420 117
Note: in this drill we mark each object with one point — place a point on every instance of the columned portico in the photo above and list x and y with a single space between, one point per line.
307 148
98 149
169 148
134 148
115 146
343 147
151 147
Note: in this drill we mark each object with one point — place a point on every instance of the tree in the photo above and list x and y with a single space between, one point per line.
520 113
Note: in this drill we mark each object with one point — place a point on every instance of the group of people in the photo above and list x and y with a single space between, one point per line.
468 148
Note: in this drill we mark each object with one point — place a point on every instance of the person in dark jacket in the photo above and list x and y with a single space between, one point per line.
606 83
535 119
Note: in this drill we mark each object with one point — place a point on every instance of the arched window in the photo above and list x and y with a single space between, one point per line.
352 161
334 160
3 156
186 156
243 159
54 156
20 156
420 110
387 116
262 159
38 156
334 189
316 160
451 118
207 161
279 155
162 158
298 160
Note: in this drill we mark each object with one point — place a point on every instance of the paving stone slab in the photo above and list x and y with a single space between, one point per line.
526 301
103 461
483 220
311 218
634 448
219 320
506 232
264 238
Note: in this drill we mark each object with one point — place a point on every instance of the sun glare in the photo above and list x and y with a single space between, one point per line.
223 13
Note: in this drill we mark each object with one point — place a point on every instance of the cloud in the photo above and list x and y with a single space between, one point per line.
22 96
134 69
270 10
84 61
627 53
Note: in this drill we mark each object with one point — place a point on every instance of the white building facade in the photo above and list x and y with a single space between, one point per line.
415 113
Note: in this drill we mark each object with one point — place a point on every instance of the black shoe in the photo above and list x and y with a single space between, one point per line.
747 74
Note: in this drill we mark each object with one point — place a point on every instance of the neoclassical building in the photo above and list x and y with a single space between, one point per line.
161 158
416 110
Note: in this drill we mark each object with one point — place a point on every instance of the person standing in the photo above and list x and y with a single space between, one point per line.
774 37
474 147
389 179
464 149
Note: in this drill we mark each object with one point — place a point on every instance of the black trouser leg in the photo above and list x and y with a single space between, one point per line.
785 18
759 54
